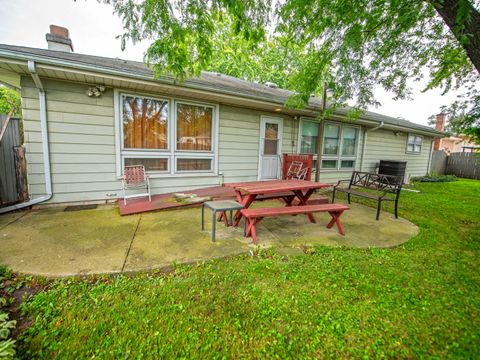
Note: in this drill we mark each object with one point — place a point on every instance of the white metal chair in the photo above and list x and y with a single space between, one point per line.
134 177
297 171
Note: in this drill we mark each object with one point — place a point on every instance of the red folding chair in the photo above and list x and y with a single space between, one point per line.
134 178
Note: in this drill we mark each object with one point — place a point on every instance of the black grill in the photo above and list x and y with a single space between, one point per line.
391 167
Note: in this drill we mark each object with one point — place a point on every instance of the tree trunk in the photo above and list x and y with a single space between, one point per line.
448 9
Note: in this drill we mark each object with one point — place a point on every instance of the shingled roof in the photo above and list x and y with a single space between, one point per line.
211 81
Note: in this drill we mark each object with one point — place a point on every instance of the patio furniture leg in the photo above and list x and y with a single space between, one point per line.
254 231
396 208
203 217
246 202
336 220
348 197
225 219
333 195
214 224
223 216
288 200
250 228
379 207
231 222
303 198
148 189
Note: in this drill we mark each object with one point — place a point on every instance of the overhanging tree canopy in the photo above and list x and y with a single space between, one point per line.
351 46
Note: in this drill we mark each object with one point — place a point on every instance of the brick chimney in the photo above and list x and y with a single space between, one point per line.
58 39
439 126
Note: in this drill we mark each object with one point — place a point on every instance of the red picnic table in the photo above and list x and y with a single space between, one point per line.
247 192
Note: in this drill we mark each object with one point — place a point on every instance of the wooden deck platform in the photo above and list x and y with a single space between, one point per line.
167 201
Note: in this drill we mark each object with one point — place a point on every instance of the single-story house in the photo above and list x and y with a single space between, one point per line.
86 117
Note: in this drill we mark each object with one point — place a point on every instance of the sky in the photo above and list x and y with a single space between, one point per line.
93 29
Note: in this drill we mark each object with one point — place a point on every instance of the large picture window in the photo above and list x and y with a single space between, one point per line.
144 123
340 144
165 141
194 127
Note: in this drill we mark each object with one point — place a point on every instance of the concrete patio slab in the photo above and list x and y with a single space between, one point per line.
175 236
52 242
9 218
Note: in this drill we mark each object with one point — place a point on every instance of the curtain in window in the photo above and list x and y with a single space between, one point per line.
144 123
151 164
309 137
194 164
349 140
194 127
330 146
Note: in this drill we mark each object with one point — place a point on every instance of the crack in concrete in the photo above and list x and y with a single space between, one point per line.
14 220
131 242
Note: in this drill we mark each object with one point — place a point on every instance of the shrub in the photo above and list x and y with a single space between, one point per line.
435 178
7 345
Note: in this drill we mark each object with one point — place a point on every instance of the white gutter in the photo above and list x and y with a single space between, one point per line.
364 144
46 153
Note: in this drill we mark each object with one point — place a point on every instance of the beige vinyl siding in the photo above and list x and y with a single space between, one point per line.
81 141
82 145
385 145
239 140
83 152
290 135
239 130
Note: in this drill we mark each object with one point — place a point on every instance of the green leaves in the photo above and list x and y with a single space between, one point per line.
10 98
7 345
301 45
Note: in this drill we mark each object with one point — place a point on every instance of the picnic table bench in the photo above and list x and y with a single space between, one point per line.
385 188
288 190
254 216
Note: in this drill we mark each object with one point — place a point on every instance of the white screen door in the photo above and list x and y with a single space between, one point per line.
271 130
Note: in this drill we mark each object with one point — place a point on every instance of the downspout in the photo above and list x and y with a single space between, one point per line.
46 153
364 143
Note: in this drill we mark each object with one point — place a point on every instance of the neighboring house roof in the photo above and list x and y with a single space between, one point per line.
211 81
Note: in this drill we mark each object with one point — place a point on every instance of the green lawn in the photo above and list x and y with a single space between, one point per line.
421 299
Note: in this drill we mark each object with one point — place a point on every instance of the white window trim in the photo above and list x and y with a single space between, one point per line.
414 152
171 153
339 157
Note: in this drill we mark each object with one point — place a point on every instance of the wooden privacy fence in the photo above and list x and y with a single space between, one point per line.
461 164
465 165
439 162
13 180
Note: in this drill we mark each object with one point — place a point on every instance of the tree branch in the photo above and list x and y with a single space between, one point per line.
467 30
